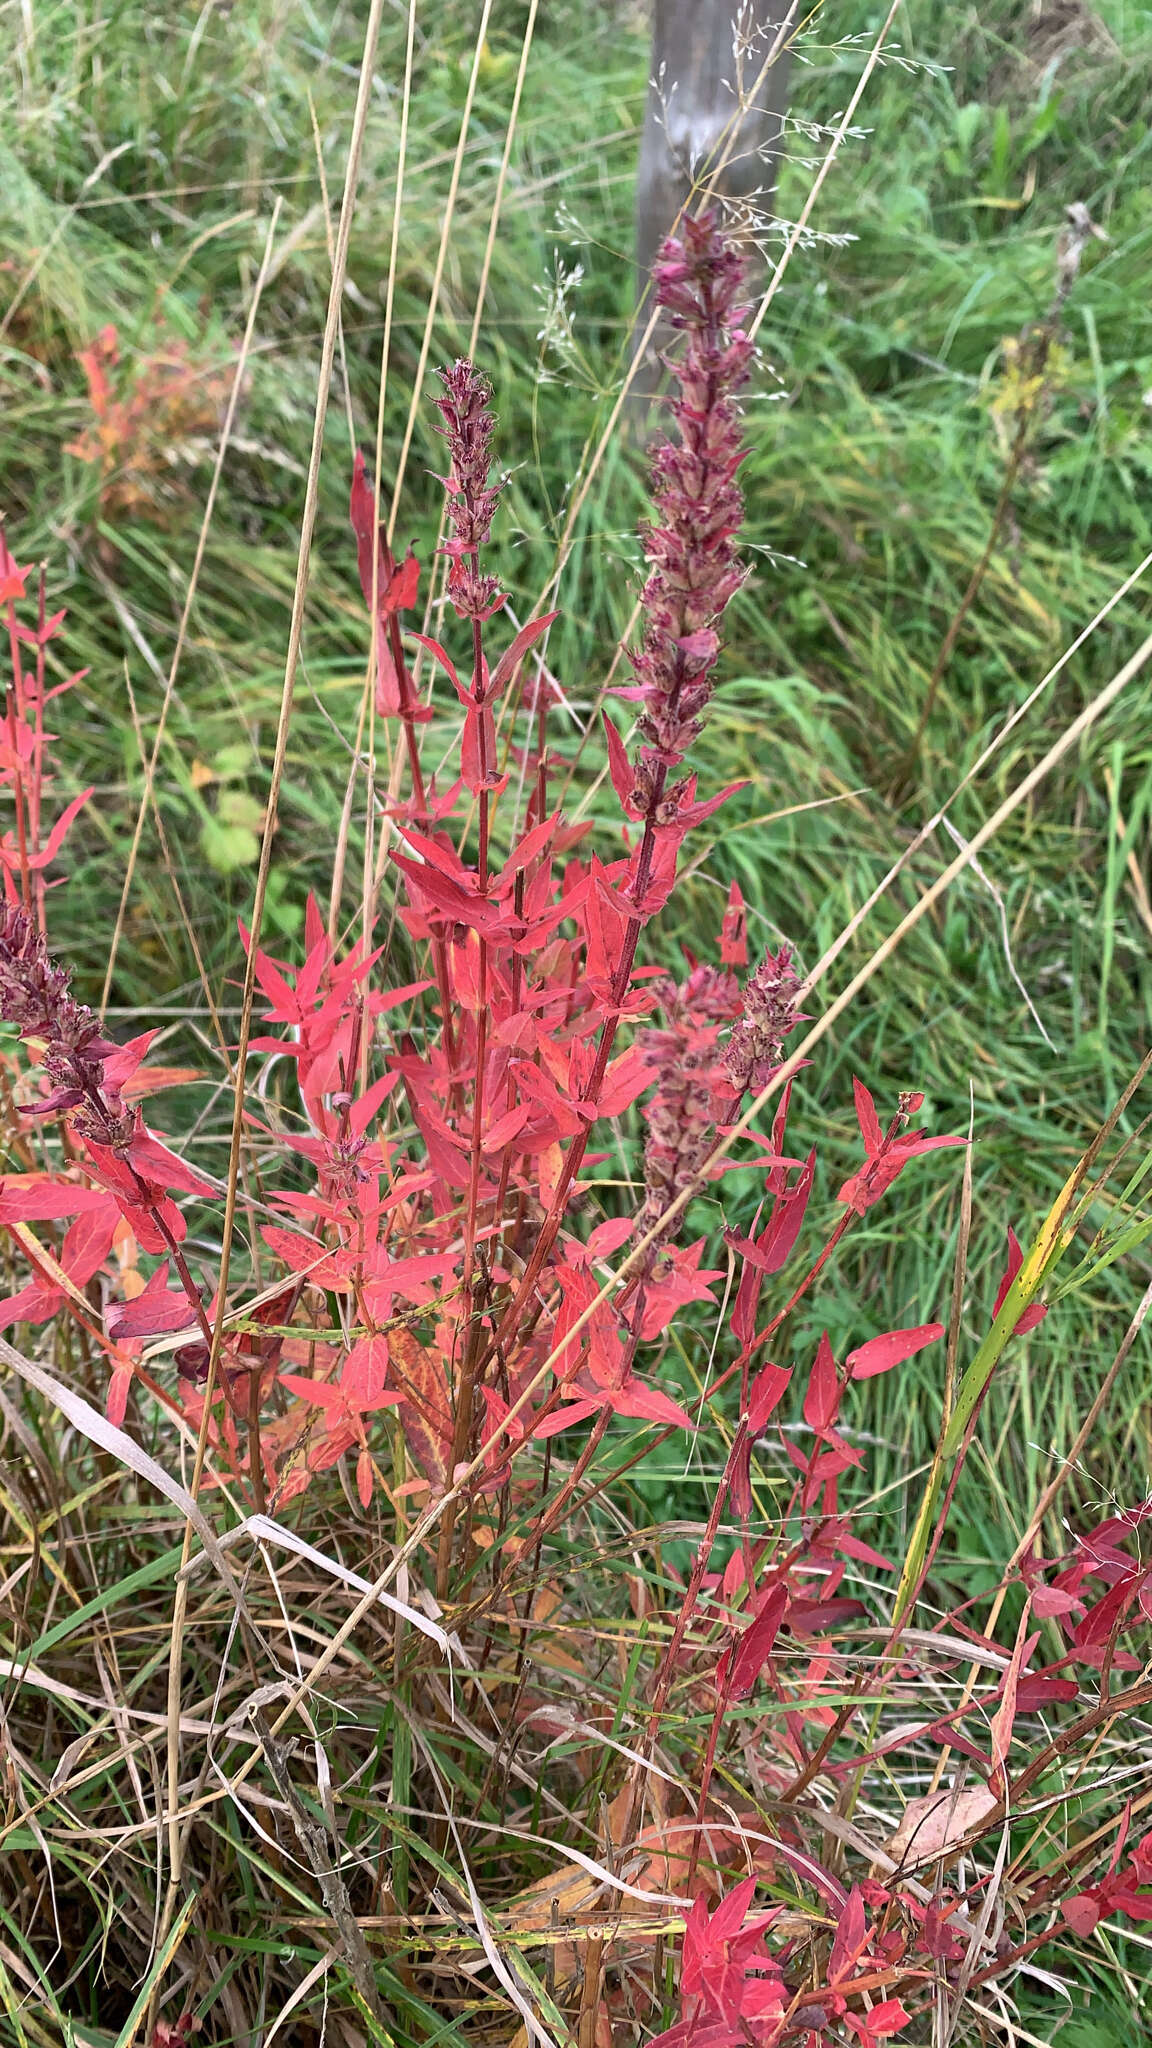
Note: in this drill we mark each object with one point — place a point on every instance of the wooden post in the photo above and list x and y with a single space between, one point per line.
706 58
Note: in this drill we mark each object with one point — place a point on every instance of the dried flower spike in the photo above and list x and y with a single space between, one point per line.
468 427
694 569
681 1116
35 996
756 1047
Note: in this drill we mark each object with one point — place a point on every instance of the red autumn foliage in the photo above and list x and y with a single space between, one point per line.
440 1292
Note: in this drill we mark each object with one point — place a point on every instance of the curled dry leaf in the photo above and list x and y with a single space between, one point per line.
933 1826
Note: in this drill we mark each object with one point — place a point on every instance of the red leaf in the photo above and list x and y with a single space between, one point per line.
620 768
563 1418
734 931
867 1118
12 579
647 1403
156 1163
514 654
766 1392
1037 1692
851 1938
159 1308
627 1077
1048 1601
823 1396
396 588
34 1198
426 1407
1036 1311
116 1406
88 1241
441 655
749 1654
10 856
1082 1913
887 2018
1004 1718
880 1354
608 1237
813 1617
774 1247
305 1257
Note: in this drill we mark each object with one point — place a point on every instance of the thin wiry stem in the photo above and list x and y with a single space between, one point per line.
148 797
296 629
438 273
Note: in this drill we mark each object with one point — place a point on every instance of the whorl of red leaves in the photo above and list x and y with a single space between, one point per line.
436 1277
143 408
175 2033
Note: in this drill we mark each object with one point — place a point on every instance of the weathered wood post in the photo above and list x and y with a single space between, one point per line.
708 105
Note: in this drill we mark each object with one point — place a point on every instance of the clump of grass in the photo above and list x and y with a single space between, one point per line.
684 1673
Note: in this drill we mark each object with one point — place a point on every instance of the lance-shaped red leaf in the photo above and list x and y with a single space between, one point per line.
514 653
10 853
879 2022
1036 1310
87 1243
397 586
776 1243
734 931
12 579
765 1394
886 1157
621 771
823 1396
359 1390
138 1176
880 1354
478 740
851 1939
1004 1718
35 1198
159 1309
741 1664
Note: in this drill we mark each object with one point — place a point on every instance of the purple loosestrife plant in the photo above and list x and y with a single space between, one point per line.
694 567
694 572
